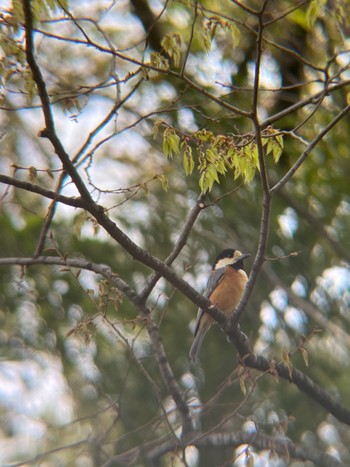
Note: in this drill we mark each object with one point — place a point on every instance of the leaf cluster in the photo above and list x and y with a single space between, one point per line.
220 155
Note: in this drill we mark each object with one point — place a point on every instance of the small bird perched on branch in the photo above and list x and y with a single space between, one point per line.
225 288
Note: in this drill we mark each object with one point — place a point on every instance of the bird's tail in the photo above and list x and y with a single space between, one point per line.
197 342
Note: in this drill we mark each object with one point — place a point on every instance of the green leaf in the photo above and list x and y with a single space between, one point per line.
174 142
277 147
211 155
188 161
213 173
171 142
171 43
206 182
276 152
204 135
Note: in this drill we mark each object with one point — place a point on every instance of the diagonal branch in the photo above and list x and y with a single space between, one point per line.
181 242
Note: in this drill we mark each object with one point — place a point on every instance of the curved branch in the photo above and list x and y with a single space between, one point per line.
258 362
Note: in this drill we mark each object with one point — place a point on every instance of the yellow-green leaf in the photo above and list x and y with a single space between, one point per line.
171 142
206 182
157 60
188 161
213 173
172 46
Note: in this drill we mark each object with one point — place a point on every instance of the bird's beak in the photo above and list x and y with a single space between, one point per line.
242 257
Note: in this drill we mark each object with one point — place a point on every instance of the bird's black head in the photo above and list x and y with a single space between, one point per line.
230 257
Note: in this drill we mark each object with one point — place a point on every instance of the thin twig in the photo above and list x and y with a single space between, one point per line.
307 151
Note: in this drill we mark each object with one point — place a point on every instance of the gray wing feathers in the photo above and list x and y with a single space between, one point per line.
214 279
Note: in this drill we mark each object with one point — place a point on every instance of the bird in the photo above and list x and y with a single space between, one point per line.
224 289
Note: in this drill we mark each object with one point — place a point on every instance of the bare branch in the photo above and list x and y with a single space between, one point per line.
69 201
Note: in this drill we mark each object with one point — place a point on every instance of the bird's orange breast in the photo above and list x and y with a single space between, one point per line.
228 293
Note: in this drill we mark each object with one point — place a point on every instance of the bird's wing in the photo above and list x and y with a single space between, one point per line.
214 279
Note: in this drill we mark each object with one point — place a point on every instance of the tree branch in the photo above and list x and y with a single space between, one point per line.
49 131
153 331
258 362
69 201
181 242
307 151
266 205
314 98
282 446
